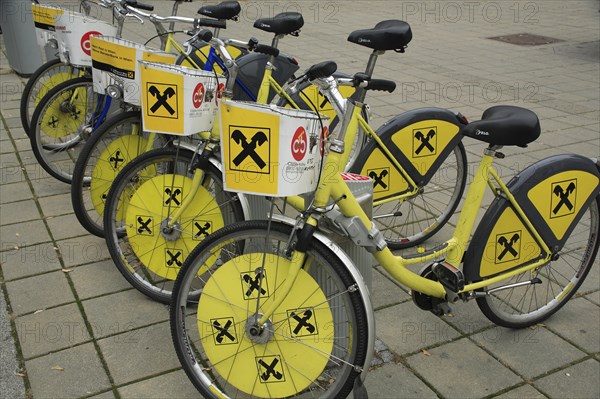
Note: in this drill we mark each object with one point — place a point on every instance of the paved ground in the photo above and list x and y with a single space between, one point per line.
80 331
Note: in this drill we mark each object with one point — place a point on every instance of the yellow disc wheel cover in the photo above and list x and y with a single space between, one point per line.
297 351
52 82
151 204
57 121
112 160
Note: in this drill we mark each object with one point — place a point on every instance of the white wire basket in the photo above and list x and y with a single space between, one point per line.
73 33
114 63
176 99
270 150
43 20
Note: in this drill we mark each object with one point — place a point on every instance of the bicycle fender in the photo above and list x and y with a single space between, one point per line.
363 289
420 140
554 194
251 69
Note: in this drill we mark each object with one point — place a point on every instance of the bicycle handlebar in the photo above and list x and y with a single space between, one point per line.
136 4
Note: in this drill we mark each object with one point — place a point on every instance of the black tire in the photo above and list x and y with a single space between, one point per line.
560 279
325 280
409 223
58 129
92 177
38 85
139 253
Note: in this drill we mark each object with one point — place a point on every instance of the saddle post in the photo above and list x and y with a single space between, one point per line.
361 93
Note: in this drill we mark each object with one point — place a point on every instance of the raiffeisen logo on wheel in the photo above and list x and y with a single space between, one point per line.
86 45
198 95
299 144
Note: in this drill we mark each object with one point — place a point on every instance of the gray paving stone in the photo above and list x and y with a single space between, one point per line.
56 205
51 330
82 250
66 226
467 318
578 322
6 146
523 392
406 329
11 385
579 381
592 280
460 369
123 311
384 292
44 186
15 192
12 174
27 158
140 353
9 160
161 387
16 212
530 352
98 279
39 292
23 234
28 261
104 395
396 381
83 374
594 297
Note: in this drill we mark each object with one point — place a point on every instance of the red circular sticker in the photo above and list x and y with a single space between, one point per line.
299 144
86 45
198 95
219 94
323 139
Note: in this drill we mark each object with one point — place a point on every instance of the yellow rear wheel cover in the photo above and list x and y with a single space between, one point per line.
297 351
149 207
112 160
58 123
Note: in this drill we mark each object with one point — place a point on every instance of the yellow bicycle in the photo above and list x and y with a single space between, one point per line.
275 309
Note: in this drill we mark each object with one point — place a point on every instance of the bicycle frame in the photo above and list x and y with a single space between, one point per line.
332 187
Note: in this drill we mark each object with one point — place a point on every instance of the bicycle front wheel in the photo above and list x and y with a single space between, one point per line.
112 146
46 77
61 122
309 347
140 204
559 279
413 220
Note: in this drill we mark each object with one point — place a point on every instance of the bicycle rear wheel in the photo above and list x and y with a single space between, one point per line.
308 348
143 197
62 121
46 77
560 279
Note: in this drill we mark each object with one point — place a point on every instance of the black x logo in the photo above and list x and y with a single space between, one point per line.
253 284
223 331
53 121
202 230
161 99
508 246
116 159
563 196
270 370
424 141
378 178
143 226
303 322
249 148
172 196
174 258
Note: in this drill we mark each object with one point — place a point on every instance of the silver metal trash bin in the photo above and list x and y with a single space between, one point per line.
23 53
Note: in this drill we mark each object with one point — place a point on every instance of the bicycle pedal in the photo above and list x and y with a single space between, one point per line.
441 309
449 276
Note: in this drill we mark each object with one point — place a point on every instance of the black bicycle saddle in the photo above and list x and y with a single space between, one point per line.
284 23
386 35
225 10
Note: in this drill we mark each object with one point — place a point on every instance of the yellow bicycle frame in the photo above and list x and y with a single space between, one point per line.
332 186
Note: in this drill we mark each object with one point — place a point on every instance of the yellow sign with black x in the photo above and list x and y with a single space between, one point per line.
162 101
